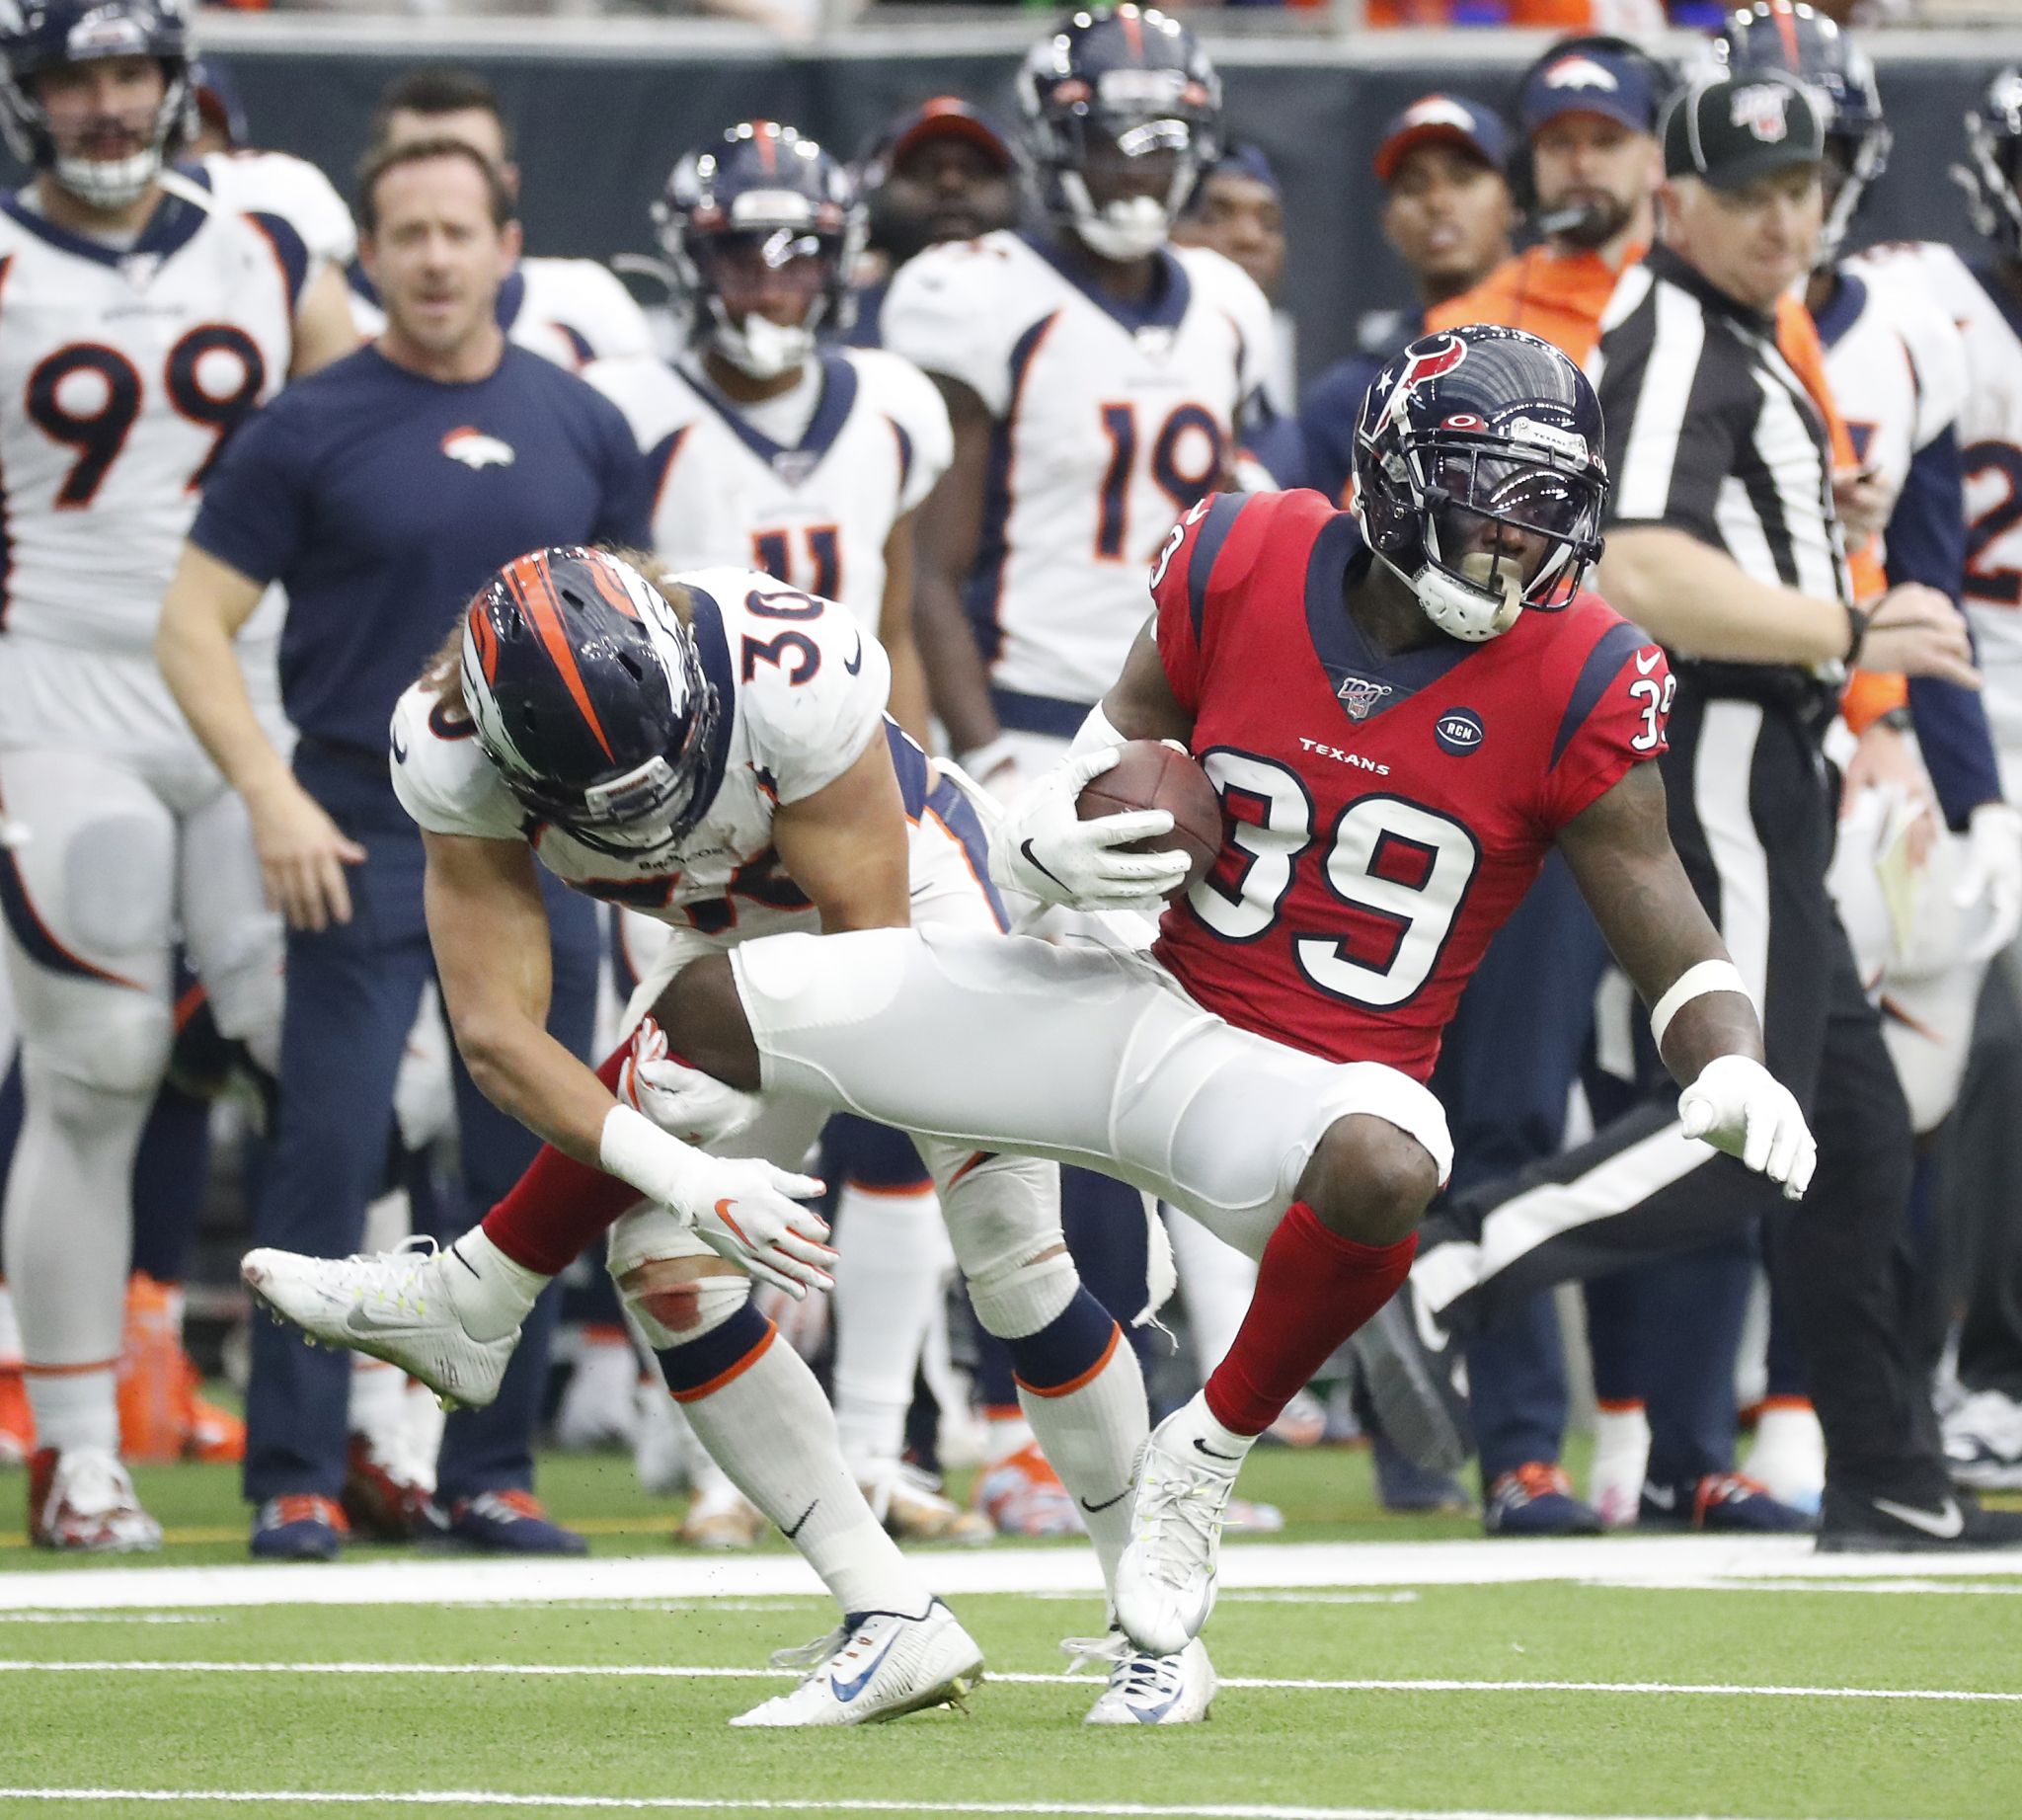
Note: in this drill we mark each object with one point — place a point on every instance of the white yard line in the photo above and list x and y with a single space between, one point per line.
1097 1810
1245 1567
660 1670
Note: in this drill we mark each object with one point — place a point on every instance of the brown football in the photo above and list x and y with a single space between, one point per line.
1153 776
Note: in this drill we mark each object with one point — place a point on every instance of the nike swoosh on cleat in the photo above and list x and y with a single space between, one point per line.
464 1261
847 1691
1202 1447
1094 1509
361 1320
1945 1524
1025 847
800 1522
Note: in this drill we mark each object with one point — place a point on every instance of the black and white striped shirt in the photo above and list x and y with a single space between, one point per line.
1712 432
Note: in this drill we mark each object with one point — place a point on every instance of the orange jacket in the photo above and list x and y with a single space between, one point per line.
1560 297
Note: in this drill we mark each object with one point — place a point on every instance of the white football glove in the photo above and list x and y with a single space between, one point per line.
1738 1106
741 1207
1993 871
695 1107
1046 850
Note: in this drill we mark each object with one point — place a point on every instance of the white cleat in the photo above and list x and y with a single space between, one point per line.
1145 1690
397 1305
82 1502
877 1666
1165 1581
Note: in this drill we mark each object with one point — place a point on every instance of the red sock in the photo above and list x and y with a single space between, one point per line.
1314 1289
559 1206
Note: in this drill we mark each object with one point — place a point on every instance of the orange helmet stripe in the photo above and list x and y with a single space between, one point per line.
1786 28
543 611
1133 30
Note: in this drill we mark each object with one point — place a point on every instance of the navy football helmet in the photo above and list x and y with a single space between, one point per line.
1477 476
1108 88
1777 34
37 36
763 208
1993 146
590 699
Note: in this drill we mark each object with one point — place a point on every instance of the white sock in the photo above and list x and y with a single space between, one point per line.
1217 1281
76 1409
894 1266
378 1400
1005 1434
68 1243
1193 1421
1091 1437
491 1293
10 1330
773 1434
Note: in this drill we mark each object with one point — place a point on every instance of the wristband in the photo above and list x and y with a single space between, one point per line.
635 1149
1694 983
1856 634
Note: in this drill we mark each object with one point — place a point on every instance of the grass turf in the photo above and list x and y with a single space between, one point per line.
495 1728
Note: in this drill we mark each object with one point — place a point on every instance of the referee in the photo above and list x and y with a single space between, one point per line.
382 492
1724 545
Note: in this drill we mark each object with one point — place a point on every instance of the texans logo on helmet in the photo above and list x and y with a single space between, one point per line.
1431 363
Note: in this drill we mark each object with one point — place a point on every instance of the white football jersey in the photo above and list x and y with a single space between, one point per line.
128 372
1896 364
815 515
1991 451
1111 423
570 311
802 688
280 184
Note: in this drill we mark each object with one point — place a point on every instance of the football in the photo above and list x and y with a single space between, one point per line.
1153 776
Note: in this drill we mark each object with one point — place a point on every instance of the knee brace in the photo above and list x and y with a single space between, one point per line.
1016 1301
109 1039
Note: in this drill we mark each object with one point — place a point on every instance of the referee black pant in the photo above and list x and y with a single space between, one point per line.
1752 810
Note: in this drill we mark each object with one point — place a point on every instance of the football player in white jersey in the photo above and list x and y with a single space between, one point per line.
143 322
572 312
1096 376
806 462
713 748
1093 374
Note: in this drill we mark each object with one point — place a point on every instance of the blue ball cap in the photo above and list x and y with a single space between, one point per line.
1589 79
1442 119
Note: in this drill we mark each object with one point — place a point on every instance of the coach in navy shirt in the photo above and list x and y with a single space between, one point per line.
381 493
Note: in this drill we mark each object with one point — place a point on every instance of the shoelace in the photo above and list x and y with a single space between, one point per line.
1534 1479
505 1506
1725 1488
805 1659
1129 1671
1106 1652
1197 1509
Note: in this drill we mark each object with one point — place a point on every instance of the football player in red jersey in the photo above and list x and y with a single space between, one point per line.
1401 726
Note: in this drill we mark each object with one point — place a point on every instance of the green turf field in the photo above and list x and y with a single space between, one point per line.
421 1698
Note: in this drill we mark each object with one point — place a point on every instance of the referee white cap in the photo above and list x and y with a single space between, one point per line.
1730 130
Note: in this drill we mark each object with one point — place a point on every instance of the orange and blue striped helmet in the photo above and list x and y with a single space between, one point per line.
590 699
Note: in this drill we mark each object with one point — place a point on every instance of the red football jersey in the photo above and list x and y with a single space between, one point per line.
1386 812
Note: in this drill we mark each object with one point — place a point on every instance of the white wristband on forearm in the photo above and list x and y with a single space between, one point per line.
658 1164
1694 983
1095 733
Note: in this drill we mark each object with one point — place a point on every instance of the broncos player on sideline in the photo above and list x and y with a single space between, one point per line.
144 322
714 747
1097 377
808 463
1315 674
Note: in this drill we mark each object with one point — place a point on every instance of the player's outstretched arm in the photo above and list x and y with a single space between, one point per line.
488 928
1706 1028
